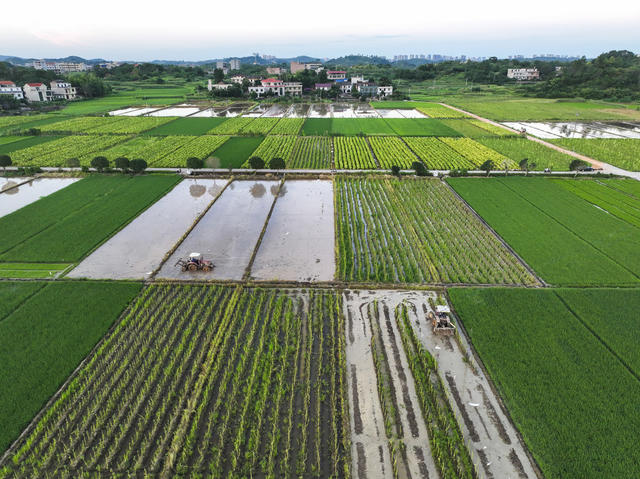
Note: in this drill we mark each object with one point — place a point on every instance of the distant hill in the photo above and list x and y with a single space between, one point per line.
72 59
351 60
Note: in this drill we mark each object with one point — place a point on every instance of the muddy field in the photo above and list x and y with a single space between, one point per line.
228 233
492 440
12 199
299 242
595 129
137 250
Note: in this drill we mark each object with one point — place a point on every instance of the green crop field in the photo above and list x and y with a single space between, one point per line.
199 147
288 126
622 153
275 147
508 108
431 109
607 196
259 126
317 126
31 270
466 128
629 186
232 126
226 380
519 148
563 237
437 155
66 225
44 339
186 126
420 127
416 231
353 153
477 153
360 126
563 373
59 151
311 152
236 151
24 142
391 150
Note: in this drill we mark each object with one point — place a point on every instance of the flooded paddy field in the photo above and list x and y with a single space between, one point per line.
228 233
299 242
491 439
177 111
138 249
13 198
595 129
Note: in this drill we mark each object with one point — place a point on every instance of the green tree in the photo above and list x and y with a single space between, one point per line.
5 160
122 163
138 165
488 166
194 163
395 170
277 164
100 163
419 168
218 75
256 163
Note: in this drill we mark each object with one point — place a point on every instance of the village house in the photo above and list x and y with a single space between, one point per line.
62 90
10 88
37 92
336 75
523 74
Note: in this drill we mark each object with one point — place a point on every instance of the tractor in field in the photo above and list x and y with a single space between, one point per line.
195 262
441 321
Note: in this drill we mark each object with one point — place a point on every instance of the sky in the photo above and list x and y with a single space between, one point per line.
190 31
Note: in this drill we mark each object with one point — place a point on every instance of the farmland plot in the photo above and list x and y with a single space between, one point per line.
228 233
311 152
137 250
353 153
437 155
80 124
299 242
435 110
561 384
67 224
259 126
44 337
559 234
232 126
420 127
274 147
243 381
621 153
199 147
390 150
288 126
417 231
235 151
519 148
17 197
23 142
477 153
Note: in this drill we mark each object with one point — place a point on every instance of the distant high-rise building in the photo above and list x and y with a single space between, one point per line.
234 64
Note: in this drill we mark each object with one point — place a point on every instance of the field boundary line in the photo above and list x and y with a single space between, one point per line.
247 272
497 236
492 385
411 150
34 422
373 155
597 336
36 176
187 232
634 274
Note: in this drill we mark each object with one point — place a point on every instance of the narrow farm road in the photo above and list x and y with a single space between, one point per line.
606 167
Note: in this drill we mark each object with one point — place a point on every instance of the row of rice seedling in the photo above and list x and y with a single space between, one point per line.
160 149
10 121
199 147
353 153
518 148
58 152
390 151
212 379
311 152
435 110
416 231
288 126
232 126
275 147
259 126
478 154
437 155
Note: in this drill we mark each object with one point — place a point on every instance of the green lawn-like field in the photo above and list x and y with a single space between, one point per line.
235 151
508 108
44 340
519 148
31 270
68 224
186 126
562 372
316 127
420 127
565 239
623 153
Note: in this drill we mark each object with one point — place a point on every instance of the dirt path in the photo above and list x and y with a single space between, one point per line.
606 167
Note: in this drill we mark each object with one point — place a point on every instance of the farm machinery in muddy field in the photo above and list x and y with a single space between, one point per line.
195 262
441 320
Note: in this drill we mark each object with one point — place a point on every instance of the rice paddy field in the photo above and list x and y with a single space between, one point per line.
309 349
623 153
